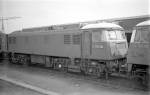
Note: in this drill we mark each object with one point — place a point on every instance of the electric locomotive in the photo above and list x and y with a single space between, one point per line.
94 49
138 57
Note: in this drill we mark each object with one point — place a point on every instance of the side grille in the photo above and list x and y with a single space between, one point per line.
76 39
67 39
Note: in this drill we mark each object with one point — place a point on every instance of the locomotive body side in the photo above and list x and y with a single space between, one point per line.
47 43
138 52
94 49
138 57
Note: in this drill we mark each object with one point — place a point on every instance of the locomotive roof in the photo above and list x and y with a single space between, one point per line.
41 33
144 23
101 25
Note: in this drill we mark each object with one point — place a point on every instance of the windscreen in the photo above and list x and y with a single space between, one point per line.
142 34
116 34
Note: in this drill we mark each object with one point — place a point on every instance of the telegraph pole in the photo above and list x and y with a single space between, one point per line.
3 35
2 19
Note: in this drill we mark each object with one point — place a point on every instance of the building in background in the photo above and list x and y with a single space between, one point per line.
127 23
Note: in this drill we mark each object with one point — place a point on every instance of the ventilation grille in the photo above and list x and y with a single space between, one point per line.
76 39
67 39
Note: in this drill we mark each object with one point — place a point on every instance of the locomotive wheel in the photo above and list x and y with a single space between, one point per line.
58 66
55 66
145 80
86 71
14 61
94 70
98 72
25 62
65 69
62 68
90 71
106 73
82 71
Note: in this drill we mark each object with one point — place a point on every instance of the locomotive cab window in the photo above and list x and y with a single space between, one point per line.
112 35
115 35
142 34
97 36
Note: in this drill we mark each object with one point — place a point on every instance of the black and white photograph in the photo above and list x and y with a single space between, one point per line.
74 47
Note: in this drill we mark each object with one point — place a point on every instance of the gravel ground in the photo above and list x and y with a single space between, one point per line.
65 84
11 89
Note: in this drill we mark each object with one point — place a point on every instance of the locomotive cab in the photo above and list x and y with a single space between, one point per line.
138 58
108 41
106 46
118 43
139 47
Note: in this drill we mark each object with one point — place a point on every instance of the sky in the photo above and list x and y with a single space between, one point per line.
34 13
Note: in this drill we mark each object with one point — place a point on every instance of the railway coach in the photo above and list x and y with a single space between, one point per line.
94 49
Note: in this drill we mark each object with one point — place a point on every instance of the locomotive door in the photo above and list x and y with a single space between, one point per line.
86 44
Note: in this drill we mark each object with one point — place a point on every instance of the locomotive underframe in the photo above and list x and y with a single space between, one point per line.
1 56
92 67
139 71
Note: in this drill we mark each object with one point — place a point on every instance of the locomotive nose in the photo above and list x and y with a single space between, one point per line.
138 53
119 49
122 49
